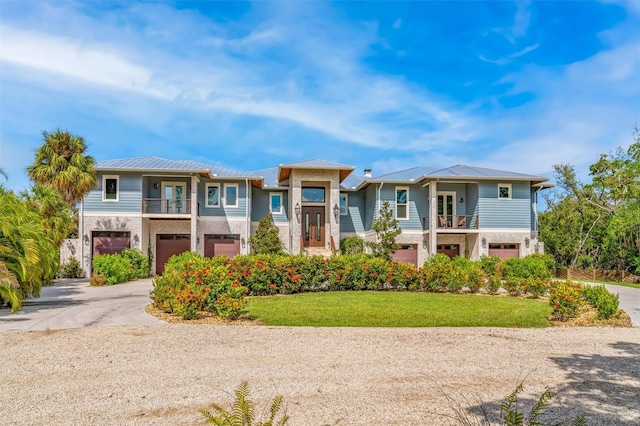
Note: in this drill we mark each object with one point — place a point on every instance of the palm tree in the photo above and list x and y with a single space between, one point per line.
28 254
60 163
57 215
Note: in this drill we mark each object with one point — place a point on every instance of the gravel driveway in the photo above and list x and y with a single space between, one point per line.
163 373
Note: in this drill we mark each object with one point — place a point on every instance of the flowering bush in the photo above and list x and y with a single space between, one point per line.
565 300
109 269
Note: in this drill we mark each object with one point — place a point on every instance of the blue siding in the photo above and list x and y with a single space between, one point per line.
418 204
129 195
149 182
473 207
370 206
260 206
223 211
354 221
496 213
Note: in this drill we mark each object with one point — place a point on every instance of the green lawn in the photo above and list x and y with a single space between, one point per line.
398 309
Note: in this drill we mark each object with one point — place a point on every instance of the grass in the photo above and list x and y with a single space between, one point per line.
398 309
634 285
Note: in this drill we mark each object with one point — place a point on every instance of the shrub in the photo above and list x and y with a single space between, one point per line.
600 298
494 283
473 270
440 273
536 287
352 245
514 285
192 284
139 262
534 266
113 268
266 240
71 269
491 265
564 299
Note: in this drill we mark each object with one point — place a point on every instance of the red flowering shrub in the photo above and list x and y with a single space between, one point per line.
565 300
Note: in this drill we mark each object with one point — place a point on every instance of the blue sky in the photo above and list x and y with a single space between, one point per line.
518 86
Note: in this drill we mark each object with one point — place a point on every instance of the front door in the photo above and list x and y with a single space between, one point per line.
313 226
446 209
173 194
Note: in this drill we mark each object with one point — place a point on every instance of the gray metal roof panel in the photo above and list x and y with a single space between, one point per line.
407 175
353 181
152 163
462 171
314 163
270 177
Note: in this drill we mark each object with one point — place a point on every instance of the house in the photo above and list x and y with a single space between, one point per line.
164 207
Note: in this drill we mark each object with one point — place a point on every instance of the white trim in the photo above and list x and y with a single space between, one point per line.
182 204
281 209
453 202
222 219
104 184
406 188
231 185
346 203
111 214
206 195
505 185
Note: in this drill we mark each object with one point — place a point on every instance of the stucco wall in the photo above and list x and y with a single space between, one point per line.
132 224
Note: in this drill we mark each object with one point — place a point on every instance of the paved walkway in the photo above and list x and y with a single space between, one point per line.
74 304
629 301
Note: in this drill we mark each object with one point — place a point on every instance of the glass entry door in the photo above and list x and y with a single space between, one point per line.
174 197
313 226
446 208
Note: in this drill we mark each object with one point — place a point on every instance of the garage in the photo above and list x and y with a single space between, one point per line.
407 253
503 250
167 245
228 245
451 250
110 242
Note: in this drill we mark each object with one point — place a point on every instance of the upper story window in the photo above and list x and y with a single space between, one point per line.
504 191
313 195
275 202
231 195
110 188
344 204
213 194
402 202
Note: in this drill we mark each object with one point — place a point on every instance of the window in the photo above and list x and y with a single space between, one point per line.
110 188
504 191
344 204
402 203
313 195
231 195
212 194
275 202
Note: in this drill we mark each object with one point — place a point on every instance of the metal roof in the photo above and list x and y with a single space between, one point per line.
407 175
270 177
471 172
284 170
157 164
353 181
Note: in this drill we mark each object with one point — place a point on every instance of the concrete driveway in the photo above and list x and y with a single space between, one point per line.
74 304
629 301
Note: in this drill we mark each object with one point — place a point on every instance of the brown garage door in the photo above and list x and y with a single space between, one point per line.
504 251
407 253
228 245
451 250
167 245
109 242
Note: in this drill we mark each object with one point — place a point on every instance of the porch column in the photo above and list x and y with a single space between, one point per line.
433 218
194 213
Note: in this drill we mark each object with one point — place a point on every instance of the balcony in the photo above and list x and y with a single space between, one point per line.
166 207
458 221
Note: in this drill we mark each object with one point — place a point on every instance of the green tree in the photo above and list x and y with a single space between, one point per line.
386 228
57 215
28 254
60 163
266 240
597 224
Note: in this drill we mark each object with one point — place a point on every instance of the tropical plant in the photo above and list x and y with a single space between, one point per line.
60 163
599 297
266 240
9 288
57 215
27 251
386 229
242 412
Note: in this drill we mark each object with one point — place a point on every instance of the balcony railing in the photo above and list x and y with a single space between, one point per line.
457 221
166 206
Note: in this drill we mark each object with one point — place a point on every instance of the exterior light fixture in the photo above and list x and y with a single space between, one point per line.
336 210
197 240
526 242
461 200
85 238
136 239
297 209
484 242
243 242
